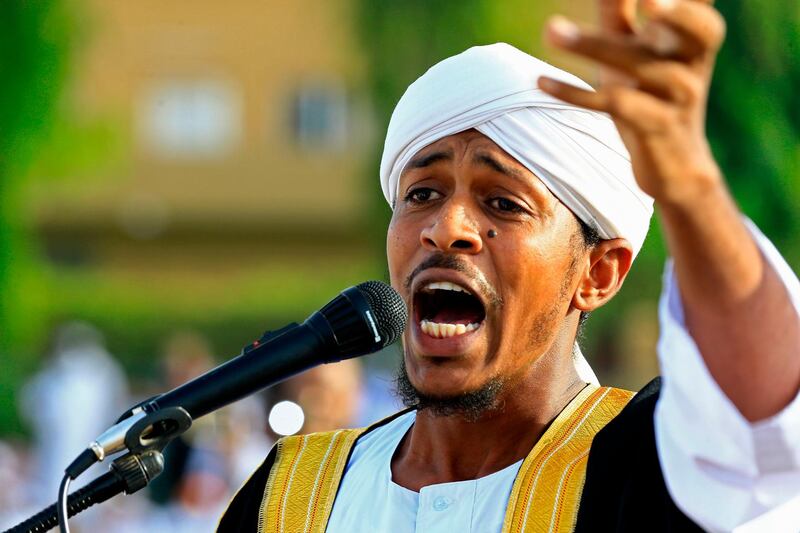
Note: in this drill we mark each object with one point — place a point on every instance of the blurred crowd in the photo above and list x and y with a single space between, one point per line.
81 390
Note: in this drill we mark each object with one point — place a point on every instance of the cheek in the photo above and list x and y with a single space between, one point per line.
521 264
532 272
400 244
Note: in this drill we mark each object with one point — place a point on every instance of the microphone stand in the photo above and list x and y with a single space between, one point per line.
144 436
128 474
145 440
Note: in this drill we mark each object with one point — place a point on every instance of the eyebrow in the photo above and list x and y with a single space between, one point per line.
429 159
484 159
491 162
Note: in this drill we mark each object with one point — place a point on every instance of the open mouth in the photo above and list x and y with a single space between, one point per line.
444 309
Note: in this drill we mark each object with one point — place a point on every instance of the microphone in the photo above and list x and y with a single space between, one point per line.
360 320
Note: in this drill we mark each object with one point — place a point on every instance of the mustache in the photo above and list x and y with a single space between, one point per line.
452 262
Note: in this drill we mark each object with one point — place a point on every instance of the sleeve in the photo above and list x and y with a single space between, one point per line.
721 470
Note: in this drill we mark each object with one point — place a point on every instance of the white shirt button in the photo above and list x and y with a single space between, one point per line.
441 503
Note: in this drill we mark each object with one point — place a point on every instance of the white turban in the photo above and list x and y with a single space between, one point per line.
577 153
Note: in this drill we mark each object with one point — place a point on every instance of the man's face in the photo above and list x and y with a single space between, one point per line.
518 284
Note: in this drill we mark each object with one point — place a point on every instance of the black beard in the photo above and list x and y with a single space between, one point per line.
469 405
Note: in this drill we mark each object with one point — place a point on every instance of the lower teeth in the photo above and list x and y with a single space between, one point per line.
442 331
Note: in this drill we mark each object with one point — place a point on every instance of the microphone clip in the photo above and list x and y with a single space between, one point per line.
146 428
156 429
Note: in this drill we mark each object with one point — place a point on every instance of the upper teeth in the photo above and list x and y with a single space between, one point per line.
445 286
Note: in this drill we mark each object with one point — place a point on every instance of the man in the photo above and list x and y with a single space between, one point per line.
515 212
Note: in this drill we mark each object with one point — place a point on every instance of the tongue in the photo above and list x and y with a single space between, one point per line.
455 316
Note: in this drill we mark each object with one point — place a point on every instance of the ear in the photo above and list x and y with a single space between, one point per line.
606 267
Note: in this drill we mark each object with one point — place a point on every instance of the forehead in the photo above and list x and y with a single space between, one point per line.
453 147
472 148
470 136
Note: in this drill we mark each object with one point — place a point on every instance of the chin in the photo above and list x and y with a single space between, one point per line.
445 376
445 395
448 378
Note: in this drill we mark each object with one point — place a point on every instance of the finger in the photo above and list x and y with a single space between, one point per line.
617 15
697 25
594 100
668 43
627 55
644 112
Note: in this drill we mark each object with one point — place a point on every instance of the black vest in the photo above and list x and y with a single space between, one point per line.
625 489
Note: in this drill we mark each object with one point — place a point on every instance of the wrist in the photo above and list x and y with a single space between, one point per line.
696 191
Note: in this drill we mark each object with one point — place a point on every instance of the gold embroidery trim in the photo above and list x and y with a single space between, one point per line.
546 493
303 482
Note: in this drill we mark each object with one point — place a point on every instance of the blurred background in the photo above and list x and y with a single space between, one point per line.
176 177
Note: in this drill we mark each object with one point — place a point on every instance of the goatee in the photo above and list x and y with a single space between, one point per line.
469 405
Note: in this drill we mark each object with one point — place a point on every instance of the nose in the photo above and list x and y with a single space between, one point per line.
452 230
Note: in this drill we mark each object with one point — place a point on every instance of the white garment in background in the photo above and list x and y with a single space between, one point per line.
68 404
725 474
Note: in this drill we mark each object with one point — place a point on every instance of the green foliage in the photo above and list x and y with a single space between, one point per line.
79 152
34 46
754 119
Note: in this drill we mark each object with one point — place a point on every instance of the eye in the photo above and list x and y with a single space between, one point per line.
505 205
422 195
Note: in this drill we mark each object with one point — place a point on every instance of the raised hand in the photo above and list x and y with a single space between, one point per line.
654 83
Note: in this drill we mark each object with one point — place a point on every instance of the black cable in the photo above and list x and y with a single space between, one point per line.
63 526
77 467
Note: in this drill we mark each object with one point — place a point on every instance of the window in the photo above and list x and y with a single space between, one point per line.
320 116
191 119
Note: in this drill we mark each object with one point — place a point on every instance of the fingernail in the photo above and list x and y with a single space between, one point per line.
664 40
564 29
545 83
656 6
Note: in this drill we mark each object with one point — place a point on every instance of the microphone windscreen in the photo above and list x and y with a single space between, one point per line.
388 308
362 319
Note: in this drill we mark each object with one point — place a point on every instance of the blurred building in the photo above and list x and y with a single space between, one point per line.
232 175
234 184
